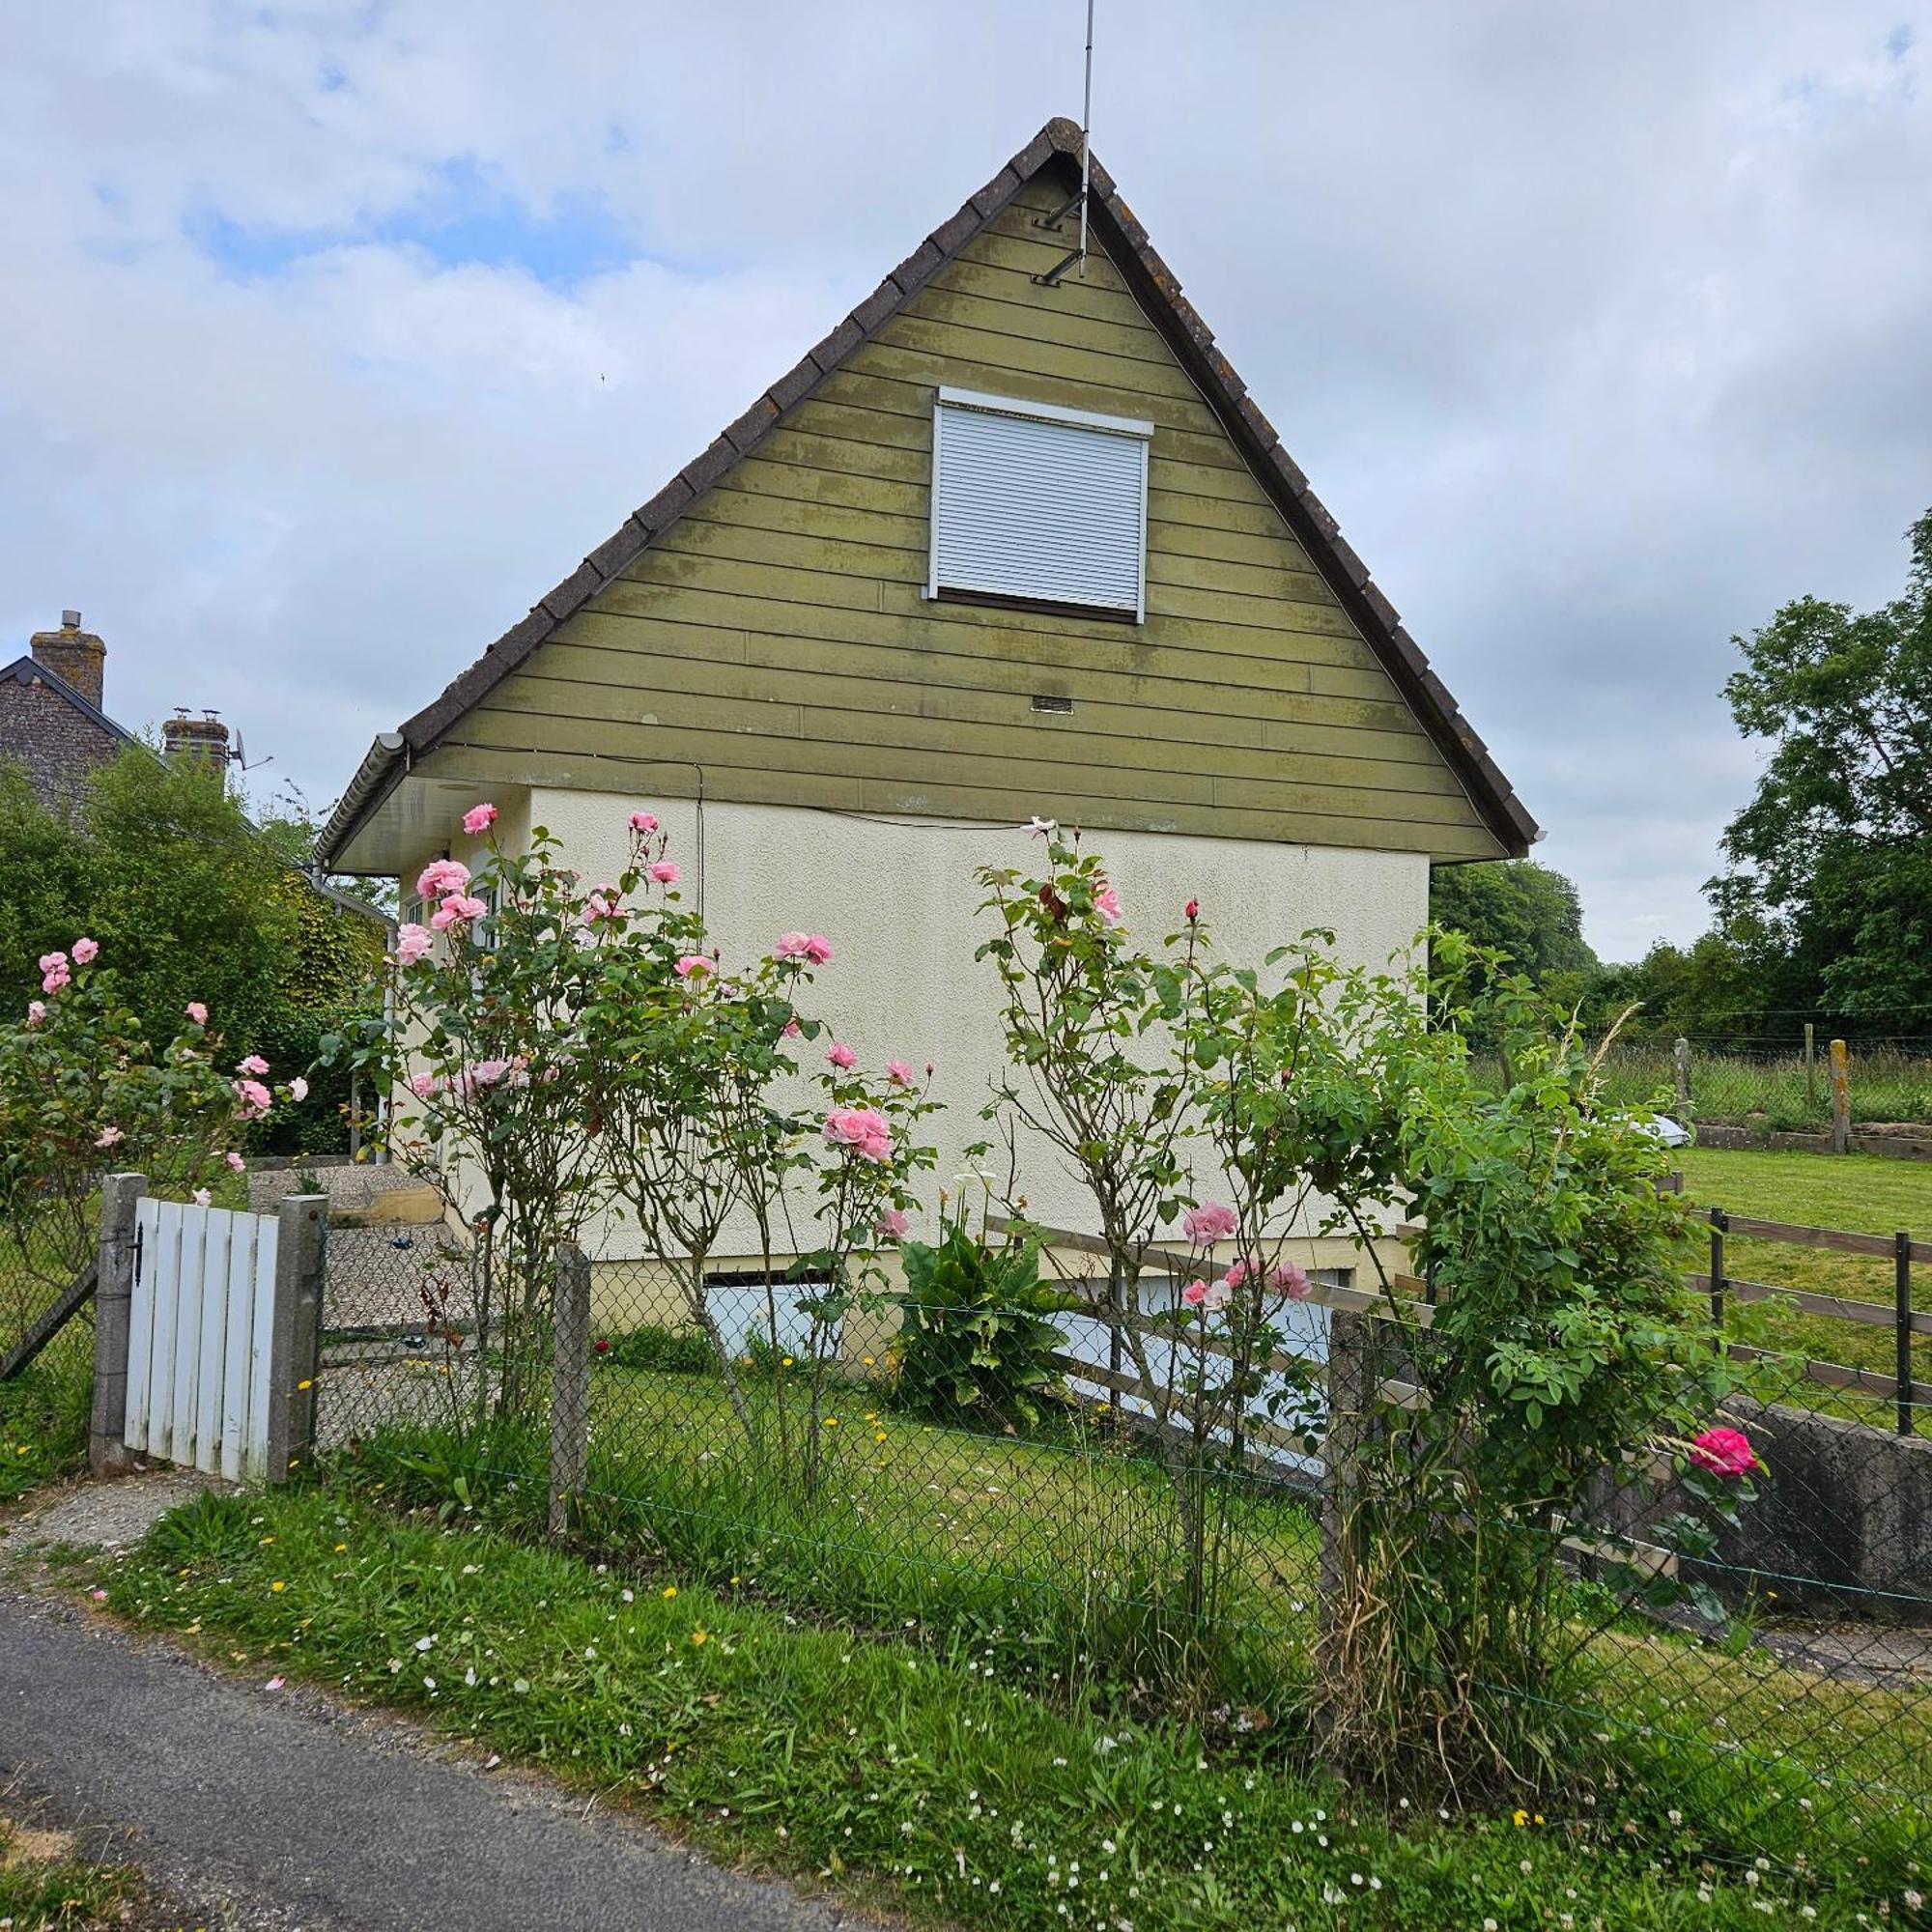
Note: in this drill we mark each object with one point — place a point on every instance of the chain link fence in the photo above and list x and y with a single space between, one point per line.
1777 1084
1089 1542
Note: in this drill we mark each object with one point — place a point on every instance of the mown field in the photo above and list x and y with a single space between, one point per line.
1863 1194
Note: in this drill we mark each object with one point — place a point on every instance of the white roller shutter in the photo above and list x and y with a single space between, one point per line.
1034 501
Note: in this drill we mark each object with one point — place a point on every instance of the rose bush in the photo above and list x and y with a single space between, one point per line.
82 1089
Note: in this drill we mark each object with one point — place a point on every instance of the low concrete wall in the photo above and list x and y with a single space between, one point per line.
1842 1524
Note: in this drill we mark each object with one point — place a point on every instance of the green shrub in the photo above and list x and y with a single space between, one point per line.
973 1343
675 1351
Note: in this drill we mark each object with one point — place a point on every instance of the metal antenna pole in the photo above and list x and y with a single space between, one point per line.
1086 139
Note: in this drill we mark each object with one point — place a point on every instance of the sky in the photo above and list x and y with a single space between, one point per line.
331 335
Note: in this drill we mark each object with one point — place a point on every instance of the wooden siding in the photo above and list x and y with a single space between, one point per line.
779 636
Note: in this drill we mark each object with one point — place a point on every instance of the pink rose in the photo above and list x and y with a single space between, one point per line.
694 966
458 909
644 824
202 1197
235 1162
791 1029
84 951
665 872
790 946
1194 1294
37 1011
1041 828
1209 1223
842 1057
488 1072
54 974
422 1084
106 1137
1724 1452
859 1129
52 962
601 905
198 1013
1285 1278
898 1073
1237 1274
413 943
1107 902
297 1089
1219 1294
892 1225
441 877
253 1095
254 1064
818 948
478 819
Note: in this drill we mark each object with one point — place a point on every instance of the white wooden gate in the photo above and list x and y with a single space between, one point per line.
201 1338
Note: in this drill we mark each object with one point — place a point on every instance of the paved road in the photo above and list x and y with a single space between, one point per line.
263 1809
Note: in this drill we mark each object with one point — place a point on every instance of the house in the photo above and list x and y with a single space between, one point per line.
1012 540
51 722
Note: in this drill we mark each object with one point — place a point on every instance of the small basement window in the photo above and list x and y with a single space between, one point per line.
1038 505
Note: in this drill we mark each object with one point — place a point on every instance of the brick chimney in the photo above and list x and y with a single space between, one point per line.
75 656
196 741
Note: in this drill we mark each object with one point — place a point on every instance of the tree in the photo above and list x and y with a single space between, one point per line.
1833 853
163 867
1516 907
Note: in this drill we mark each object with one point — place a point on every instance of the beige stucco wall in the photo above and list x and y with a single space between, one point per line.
899 903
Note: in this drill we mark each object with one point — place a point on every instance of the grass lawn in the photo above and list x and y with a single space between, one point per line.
43 1413
43 1885
1065 1555
1864 1193
908 1781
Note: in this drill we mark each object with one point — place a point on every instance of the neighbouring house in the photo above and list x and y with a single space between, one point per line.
1012 540
51 722
53 726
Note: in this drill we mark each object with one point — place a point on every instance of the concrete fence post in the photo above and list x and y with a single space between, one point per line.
1841 1097
296 1338
107 1454
570 1383
1680 1067
1351 1383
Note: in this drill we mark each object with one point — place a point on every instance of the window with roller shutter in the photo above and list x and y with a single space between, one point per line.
1039 504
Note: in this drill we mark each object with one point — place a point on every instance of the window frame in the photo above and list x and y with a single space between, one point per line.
1128 427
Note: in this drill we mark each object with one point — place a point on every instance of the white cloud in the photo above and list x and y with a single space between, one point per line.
1602 330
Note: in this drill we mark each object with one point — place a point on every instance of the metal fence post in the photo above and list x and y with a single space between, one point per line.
1720 1221
1810 1063
1902 1289
297 1335
1841 1097
570 1383
107 1454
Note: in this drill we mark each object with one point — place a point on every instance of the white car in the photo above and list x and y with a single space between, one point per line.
1662 1129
